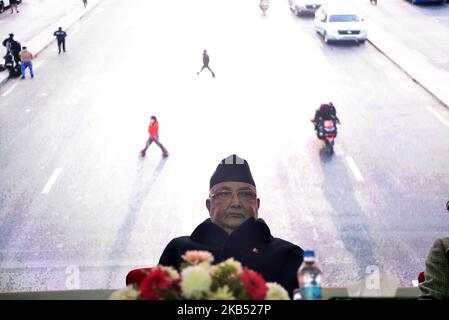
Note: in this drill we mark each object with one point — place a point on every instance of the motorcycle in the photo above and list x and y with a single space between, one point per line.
327 131
264 4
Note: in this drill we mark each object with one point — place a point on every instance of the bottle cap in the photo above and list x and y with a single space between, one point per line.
309 253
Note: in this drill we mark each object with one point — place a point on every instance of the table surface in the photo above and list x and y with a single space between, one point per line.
327 293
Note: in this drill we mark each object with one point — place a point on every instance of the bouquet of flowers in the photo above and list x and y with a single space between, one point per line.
199 279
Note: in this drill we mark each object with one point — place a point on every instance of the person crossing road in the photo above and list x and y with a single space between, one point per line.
153 130
206 60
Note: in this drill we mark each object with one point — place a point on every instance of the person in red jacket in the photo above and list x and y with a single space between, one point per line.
153 130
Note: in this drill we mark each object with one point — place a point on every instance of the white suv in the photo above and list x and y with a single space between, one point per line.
305 6
339 24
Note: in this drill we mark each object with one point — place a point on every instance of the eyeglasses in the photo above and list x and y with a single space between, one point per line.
228 194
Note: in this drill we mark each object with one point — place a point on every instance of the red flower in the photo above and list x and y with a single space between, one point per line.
254 284
154 284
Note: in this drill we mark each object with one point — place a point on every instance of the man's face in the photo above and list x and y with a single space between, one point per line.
230 211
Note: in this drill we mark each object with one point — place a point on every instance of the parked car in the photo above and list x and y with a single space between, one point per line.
305 6
428 1
336 23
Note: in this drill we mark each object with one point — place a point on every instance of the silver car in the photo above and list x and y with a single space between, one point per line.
305 6
340 24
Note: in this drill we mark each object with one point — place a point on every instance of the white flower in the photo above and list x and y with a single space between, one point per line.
222 293
234 265
196 282
128 293
171 272
276 292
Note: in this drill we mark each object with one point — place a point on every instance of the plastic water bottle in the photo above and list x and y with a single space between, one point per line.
309 277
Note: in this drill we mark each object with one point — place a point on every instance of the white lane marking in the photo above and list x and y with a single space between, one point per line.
438 116
355 170
4 94
51 181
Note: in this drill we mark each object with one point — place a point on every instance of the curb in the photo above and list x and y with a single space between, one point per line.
42 41
414 79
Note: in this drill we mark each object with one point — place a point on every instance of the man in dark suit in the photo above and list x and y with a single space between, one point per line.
60 37
436 283
13 47
235 230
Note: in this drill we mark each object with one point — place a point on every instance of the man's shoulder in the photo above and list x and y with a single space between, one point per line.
179 241
443 242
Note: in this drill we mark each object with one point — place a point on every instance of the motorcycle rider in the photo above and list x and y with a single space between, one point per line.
334 112
326 111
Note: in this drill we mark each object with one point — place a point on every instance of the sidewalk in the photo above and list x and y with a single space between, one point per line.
34 25
425 59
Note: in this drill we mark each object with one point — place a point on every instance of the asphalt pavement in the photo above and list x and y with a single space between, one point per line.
79 207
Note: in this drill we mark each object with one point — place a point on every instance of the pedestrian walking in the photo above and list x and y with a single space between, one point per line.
85 3
12 47
2 6
153 130
26 57
60 37
13 5
206 63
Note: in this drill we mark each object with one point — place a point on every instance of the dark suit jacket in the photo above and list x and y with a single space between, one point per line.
251 243
436 284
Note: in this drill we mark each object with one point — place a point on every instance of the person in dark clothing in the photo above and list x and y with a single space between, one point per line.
235 230
9 65
13 5
333 112
7 43
206 63
2 6
325 112
60 37
13 47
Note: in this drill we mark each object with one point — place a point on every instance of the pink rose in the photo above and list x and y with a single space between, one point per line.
196 256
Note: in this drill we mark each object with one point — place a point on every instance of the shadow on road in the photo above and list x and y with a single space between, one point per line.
142 186
348 217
